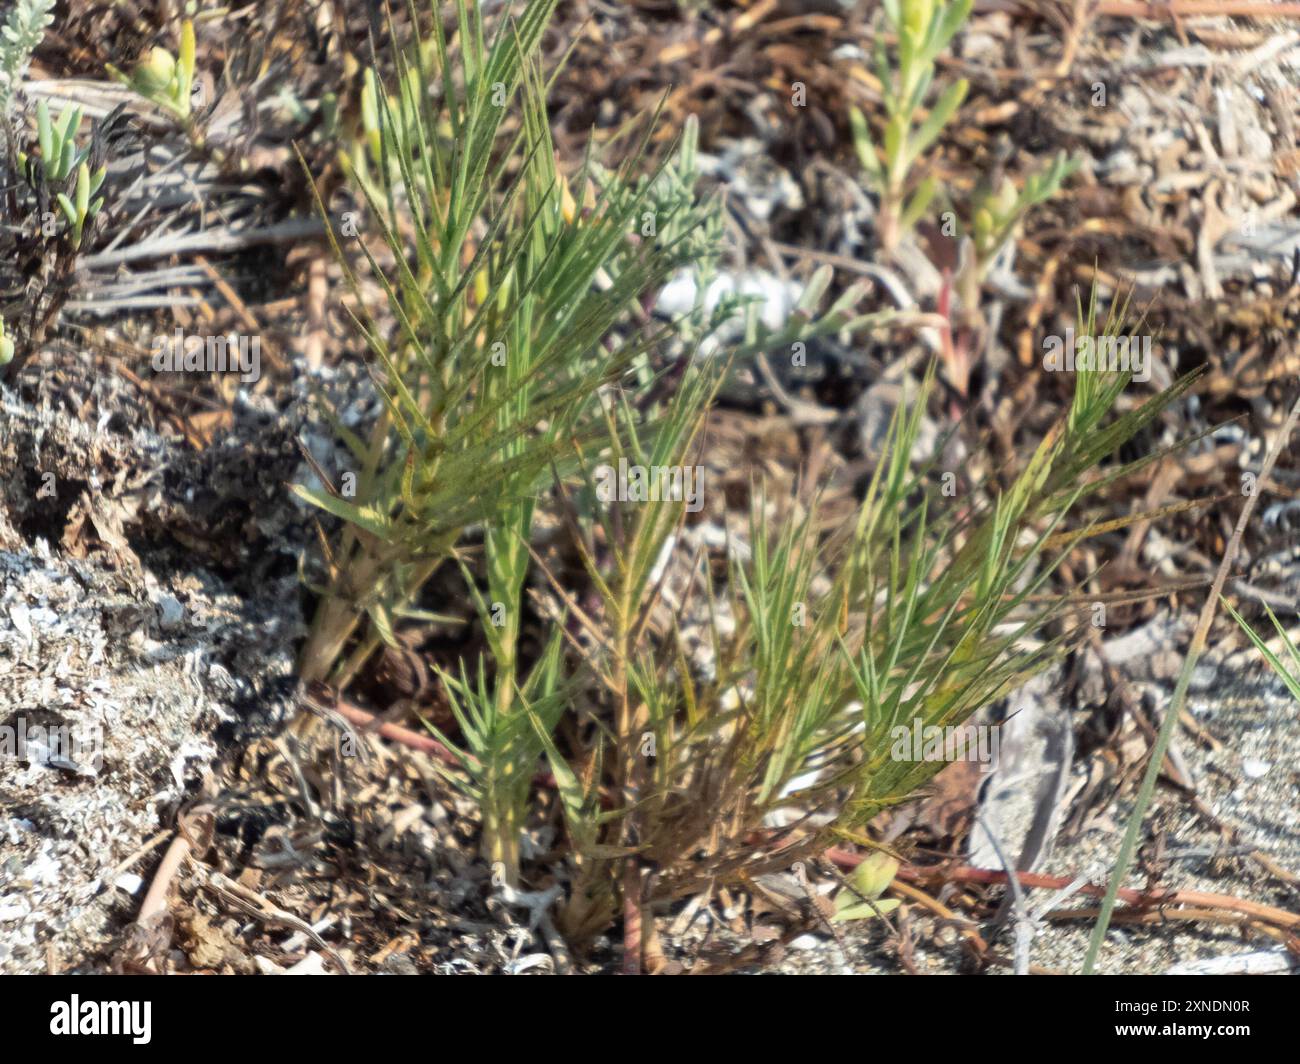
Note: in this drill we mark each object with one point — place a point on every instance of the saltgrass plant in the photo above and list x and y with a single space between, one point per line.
505 336
500 331
503 722
920 611
507 370
1287 671
501 325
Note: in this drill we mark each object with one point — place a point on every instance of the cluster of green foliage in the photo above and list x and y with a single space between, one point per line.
514 358
20 36
62 163
164 79
923 29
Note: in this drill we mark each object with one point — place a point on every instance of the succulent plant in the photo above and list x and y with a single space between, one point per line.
60 158
165 79
861 898
81 207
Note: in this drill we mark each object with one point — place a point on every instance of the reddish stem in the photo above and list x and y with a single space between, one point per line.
413 739
1142 899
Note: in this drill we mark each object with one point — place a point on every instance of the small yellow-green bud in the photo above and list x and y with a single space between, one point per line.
155 74
917 15
1006 198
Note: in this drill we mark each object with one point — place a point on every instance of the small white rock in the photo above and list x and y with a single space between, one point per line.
13 908
1254 769
171 614
312 964
129 882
